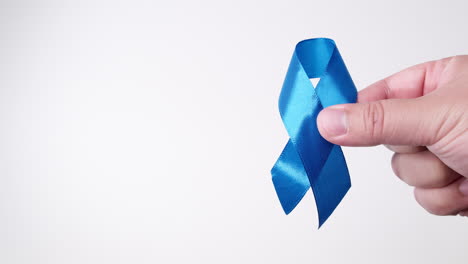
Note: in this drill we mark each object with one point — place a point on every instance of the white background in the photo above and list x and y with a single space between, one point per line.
144 132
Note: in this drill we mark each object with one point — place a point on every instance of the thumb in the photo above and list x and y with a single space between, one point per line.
393 121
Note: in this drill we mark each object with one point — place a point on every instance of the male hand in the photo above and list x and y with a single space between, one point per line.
421 114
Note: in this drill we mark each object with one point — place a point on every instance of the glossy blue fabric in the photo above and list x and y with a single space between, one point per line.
308 160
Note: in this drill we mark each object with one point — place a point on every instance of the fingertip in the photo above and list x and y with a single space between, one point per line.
332 122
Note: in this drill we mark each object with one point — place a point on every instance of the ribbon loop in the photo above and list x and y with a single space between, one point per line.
308 160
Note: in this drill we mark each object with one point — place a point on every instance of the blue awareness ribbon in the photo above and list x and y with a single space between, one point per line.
308 160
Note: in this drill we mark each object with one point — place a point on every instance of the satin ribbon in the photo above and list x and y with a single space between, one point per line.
308 160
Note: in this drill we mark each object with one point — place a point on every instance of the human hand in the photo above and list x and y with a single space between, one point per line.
421 114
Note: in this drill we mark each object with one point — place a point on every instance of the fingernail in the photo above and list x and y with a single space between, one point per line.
334 121
464 187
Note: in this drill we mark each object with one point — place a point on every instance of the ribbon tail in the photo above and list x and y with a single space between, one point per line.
331 185
289 178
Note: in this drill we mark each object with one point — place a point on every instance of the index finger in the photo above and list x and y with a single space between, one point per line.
412 82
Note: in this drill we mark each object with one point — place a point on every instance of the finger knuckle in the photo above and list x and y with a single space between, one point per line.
459 60
440 175
433 205
373 119
399 163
